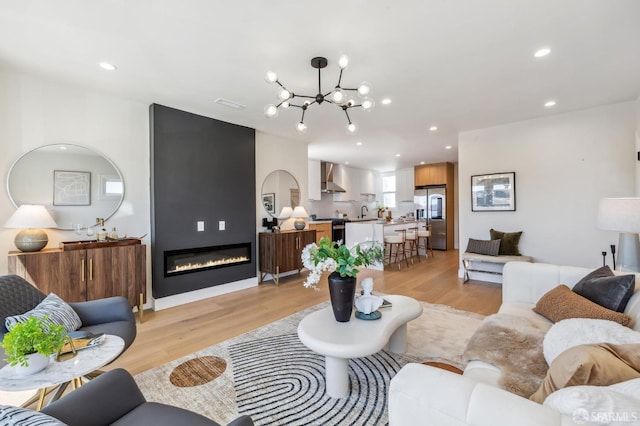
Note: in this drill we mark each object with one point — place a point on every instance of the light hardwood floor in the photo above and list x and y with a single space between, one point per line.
173 333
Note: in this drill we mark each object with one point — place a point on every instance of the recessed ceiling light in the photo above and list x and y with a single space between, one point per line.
63 148
542 52
107 66
422 162
229 104
550 104
448 147
385 101
397 155
433 128
359 143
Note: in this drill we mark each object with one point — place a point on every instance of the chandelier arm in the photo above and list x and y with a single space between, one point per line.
319 81
305 96
340 77
281 85
304 110
347 114
353 90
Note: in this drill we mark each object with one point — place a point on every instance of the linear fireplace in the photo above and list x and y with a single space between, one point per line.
185 261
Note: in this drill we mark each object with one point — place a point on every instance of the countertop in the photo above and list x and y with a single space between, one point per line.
392 223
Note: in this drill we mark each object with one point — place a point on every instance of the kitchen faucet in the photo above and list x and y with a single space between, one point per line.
362 215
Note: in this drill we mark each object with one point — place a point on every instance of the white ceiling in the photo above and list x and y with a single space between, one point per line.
457 64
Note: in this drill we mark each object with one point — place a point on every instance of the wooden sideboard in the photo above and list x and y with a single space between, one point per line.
281 251
86 274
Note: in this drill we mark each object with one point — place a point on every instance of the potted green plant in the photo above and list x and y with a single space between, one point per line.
30 343
343 263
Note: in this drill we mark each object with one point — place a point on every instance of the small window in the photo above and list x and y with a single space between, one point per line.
389 190
111 186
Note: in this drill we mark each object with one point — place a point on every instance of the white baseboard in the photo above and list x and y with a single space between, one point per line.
205 293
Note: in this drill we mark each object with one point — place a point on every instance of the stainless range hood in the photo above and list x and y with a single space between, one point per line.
326 179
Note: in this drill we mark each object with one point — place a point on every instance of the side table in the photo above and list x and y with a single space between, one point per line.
63 373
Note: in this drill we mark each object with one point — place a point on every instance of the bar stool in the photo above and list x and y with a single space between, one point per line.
424 235
412 241
397 241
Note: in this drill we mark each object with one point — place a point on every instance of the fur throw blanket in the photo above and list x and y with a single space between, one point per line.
513 344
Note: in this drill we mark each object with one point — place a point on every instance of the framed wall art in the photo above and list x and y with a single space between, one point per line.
493 192
71 188
269 202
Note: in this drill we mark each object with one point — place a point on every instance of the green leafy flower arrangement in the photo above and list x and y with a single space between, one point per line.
336 257
35 335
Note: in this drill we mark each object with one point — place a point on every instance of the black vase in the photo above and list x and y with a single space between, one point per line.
342 291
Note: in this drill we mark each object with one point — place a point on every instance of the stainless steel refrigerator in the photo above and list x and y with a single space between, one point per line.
431 205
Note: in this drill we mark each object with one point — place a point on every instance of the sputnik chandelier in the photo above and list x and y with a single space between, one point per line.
337 96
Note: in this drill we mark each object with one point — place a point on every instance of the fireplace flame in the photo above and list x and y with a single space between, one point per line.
208 264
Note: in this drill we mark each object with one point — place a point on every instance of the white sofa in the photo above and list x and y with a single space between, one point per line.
423 395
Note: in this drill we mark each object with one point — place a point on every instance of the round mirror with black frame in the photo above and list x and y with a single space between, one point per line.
279 189
75 184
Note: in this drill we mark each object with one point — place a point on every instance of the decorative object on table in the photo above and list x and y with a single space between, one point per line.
78 340
101 235
367 304
622 215
343 264
493 192
29 344
613 255
269 202
338 96
604 258
300 214
71 188
30 218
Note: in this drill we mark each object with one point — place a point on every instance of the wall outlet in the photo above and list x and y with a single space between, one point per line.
221 225
200 225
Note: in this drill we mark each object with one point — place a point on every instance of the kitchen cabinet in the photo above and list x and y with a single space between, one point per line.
86 274
368 184
434 174
323 229
349 179
281 251
404 184
314 180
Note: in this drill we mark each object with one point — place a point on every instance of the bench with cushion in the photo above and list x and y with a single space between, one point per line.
490 256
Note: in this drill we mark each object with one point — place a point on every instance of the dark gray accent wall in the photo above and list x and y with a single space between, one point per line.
201 170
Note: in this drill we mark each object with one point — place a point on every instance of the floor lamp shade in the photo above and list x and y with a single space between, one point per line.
623 215
30 219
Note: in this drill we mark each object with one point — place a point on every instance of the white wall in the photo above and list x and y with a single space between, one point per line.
564 165
34 112
274 153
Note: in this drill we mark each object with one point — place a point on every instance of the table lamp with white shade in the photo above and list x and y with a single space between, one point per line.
30 219
285 214
623 215
300 214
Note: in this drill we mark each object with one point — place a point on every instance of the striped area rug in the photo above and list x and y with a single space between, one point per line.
271 376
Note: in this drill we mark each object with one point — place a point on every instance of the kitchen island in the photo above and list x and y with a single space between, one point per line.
364 232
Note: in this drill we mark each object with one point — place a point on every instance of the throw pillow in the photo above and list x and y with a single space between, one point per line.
488 247
595 405
597 364
562 303
581 331
23 417
59 313
606 289
509 242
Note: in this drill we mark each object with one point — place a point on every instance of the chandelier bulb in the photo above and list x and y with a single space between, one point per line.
271 77
351 103
368 104
301 127
364 89
343 61
271 111
284 94
285 104
351 128
337 96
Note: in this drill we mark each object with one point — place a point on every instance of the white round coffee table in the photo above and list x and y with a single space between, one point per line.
62 373
340 341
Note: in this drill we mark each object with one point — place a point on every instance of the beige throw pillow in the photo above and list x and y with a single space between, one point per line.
562 303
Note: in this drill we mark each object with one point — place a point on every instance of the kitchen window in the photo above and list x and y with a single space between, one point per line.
389 190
